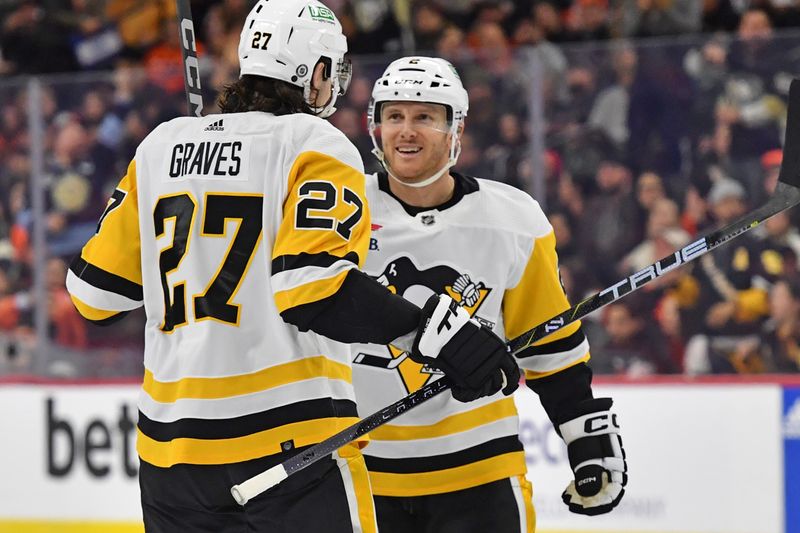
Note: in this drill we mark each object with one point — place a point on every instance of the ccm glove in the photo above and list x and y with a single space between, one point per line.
476 360
596 456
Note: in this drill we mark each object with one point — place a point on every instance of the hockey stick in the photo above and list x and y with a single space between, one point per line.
787 194
191 67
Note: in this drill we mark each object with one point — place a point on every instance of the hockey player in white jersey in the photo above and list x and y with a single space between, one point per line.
447 466
241 234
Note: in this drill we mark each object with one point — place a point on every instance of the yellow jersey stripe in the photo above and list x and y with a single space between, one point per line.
309 292
91 313
225 387
451 479
532 374
448 426
540 277
360 476
225 451
43 525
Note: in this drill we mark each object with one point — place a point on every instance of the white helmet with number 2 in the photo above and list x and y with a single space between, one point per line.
285 39
420 79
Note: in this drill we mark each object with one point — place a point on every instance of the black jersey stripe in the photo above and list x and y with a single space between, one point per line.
104 280
412 465
561 345
229 428
293 262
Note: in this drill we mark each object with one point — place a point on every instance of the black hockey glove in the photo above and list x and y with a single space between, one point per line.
596 456
476 360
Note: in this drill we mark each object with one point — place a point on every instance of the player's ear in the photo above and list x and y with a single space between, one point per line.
317 78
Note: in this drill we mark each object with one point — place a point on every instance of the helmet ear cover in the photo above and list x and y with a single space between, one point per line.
326 67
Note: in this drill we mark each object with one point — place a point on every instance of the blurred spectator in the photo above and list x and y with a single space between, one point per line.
14 304
667 314
33 41
647 18
609 113
505 155
660 101
548 19
223 20
612 230
78 170
720 15
664 235
771 163
695 218
429 25
491 48
634 348
780 341
451 44
588 20
69 328
649 190
731 305
140 21
713 160
164 61
707 66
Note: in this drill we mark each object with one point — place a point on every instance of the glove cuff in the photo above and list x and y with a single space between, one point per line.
593 418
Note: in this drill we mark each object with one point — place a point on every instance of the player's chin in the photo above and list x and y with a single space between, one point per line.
406 172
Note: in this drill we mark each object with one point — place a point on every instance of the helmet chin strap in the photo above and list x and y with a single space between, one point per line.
423 183
455 151
327 108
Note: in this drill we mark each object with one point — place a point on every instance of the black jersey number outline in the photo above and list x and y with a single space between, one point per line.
114 202
215 302
322 196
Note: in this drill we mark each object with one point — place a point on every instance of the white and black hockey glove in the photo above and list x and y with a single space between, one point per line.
596 456
476 360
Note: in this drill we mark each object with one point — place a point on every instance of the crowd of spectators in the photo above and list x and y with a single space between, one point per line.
661 120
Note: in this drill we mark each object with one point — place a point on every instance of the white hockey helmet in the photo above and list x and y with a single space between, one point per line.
284 40
420 79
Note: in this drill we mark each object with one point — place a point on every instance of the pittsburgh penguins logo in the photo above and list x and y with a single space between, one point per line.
404 278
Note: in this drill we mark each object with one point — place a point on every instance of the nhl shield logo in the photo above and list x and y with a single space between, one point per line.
427 220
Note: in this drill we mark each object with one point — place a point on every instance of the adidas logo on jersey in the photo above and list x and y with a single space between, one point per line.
215 126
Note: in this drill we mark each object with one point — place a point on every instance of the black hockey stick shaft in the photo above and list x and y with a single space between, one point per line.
191 66
786 195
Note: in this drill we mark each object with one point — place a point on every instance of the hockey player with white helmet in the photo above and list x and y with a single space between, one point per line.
242 234
449 466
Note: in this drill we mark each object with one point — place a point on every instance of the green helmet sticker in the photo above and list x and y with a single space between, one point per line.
321 13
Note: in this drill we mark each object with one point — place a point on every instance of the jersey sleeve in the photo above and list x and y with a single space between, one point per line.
325 228
105 280
537 297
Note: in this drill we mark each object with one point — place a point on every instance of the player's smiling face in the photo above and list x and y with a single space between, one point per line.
415 139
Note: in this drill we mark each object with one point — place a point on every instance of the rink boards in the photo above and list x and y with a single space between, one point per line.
704 457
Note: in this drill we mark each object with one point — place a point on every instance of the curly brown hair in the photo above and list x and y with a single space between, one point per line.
257 93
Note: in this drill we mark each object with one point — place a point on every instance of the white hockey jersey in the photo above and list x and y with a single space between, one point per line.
220 224
492 249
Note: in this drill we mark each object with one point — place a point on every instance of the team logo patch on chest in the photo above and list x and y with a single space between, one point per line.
400 276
